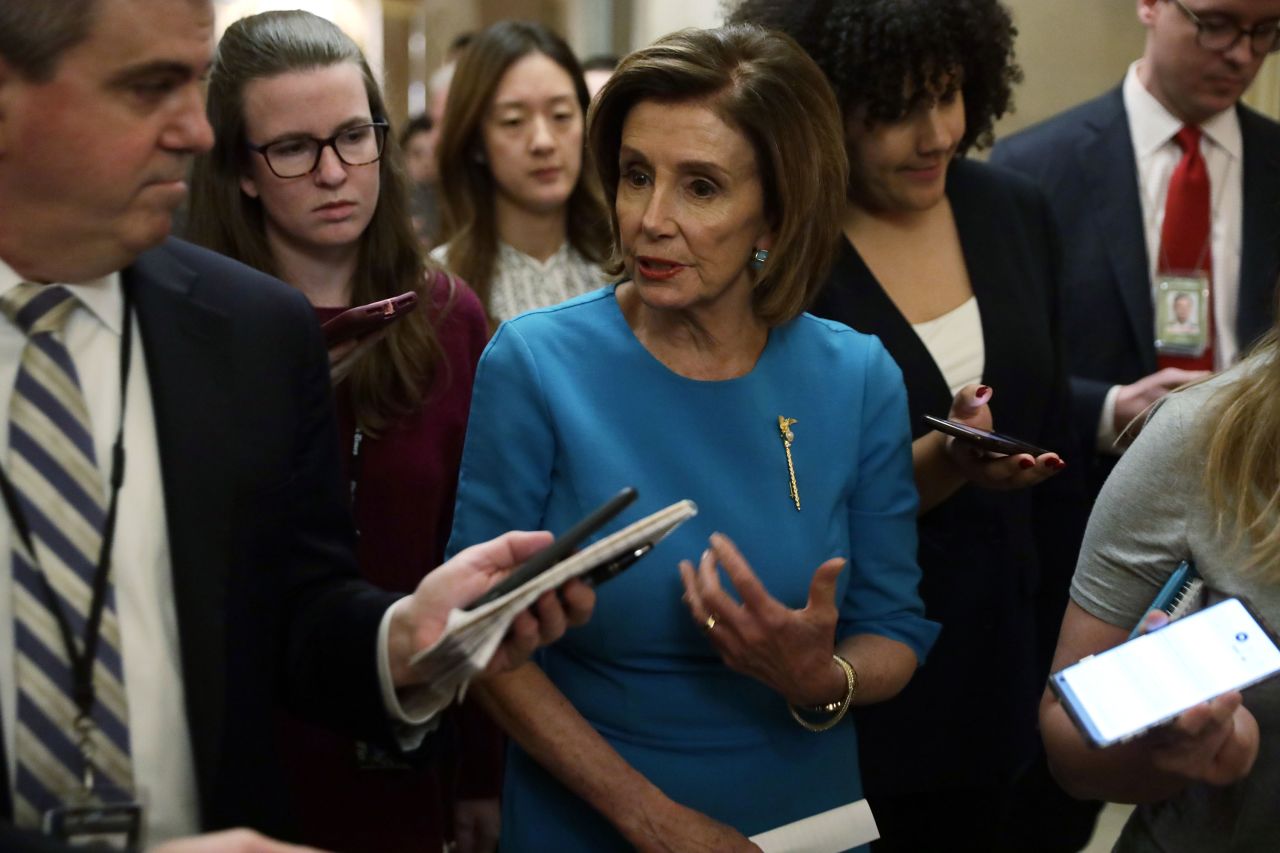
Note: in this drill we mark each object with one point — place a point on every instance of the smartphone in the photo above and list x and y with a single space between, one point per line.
1123 692
983 439
360 321
563 547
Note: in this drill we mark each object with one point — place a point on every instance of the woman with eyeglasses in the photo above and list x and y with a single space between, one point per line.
523 223
302 184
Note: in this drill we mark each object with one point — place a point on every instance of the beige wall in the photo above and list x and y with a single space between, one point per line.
1070 51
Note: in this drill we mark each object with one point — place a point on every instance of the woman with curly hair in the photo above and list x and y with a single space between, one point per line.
952 264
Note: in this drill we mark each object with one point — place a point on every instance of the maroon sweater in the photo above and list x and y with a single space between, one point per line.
405 486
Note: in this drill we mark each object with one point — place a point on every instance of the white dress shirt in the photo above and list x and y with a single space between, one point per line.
163 766
1152 129
142 572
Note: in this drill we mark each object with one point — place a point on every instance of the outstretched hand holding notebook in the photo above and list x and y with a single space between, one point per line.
471 636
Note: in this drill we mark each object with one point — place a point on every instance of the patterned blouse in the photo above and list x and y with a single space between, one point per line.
521 283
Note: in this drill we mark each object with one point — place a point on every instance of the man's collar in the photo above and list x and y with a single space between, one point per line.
102 296
1152 125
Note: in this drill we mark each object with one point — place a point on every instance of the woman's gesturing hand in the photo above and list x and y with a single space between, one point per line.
789 650
993 471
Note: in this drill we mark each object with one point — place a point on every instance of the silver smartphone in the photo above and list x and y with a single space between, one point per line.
1121 693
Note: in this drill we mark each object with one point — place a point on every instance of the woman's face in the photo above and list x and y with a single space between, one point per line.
533 135
901 166
330 207
690 205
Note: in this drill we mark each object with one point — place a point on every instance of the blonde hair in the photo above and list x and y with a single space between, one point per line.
1242 467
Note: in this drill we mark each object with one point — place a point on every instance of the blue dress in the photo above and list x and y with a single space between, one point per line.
568 408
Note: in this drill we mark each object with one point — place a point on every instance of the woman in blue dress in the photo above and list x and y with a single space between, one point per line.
699 709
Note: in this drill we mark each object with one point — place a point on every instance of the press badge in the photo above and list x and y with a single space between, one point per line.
103 826
1182 313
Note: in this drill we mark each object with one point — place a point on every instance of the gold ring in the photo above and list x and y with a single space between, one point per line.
710 623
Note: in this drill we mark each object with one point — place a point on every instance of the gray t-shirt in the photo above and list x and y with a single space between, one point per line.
1151 515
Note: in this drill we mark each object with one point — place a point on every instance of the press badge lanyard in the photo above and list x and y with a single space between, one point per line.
82 664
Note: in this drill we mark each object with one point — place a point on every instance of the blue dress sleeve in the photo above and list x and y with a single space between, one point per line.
881 596
509 454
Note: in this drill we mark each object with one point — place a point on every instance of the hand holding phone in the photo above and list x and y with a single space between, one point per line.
564 546
365 319
984 439
1126 691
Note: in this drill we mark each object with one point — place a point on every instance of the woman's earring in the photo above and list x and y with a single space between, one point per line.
758 257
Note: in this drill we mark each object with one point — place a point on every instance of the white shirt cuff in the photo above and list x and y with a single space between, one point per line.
414 710
1107 434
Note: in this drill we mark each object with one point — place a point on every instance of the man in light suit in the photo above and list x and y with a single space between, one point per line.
1106 166
231 570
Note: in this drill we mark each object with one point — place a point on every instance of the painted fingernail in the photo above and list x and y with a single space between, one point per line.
1059 464
982 390
1026 463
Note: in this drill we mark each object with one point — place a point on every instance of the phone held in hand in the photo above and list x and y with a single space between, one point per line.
564 546
982 439
1119 694
365 319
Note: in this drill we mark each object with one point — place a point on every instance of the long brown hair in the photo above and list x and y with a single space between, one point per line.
389 381
466 184
1242 467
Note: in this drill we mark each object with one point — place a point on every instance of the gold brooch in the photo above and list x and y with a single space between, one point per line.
784 427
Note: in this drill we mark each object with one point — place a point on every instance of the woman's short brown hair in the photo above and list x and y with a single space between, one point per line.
765 86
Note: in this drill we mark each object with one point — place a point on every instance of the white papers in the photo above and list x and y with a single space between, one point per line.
471 637
826 832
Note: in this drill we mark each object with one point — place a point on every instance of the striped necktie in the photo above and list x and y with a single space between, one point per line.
60 492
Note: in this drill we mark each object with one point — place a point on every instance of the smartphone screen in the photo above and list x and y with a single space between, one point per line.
1121 693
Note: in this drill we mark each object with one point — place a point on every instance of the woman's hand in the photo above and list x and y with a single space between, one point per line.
988 470
789 650
1215 742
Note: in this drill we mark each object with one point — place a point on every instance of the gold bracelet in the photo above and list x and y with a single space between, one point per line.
838 708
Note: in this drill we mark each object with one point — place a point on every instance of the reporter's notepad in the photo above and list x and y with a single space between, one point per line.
826 832
471 637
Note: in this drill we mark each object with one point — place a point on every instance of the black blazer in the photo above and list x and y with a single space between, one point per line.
267 599
1083 161
995 564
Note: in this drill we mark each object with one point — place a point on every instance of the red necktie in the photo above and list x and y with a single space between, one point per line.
1185 235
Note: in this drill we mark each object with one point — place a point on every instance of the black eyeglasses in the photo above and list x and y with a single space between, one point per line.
1217 32
358 145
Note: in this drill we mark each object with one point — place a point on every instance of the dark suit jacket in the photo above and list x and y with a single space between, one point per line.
268 604
1084 162
995 564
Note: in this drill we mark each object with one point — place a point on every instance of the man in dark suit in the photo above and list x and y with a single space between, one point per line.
1106 167
231 581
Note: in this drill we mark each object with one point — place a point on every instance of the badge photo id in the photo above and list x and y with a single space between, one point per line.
1182 313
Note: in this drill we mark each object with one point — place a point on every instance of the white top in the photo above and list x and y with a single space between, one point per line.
522 283
142 571
1152 129
955 342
